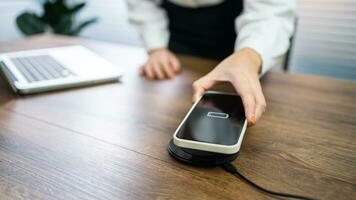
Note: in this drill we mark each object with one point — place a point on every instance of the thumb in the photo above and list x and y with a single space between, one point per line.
201 85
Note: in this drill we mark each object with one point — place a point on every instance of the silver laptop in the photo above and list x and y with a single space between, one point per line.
55 68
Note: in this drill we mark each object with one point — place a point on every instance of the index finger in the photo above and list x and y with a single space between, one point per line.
201 85
248 100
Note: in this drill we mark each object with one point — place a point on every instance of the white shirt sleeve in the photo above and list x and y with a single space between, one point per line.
151 21
266 26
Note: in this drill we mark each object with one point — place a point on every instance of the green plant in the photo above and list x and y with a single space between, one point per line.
57 16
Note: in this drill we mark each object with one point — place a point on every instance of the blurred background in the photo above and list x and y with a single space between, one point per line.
324 43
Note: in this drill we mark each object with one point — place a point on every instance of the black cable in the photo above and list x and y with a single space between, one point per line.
232 170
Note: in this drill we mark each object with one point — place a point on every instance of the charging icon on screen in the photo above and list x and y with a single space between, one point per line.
220 115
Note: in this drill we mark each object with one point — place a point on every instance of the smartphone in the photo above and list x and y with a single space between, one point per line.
215 123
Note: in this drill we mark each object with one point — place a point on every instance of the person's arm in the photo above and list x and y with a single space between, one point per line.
152 24
266 26
264 29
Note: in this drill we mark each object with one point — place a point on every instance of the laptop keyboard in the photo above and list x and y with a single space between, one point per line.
40 68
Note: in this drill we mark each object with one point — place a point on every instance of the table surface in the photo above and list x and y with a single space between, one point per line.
109 141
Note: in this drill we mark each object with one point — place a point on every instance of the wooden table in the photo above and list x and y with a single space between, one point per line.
109 141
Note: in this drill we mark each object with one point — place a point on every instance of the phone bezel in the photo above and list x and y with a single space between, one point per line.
217 148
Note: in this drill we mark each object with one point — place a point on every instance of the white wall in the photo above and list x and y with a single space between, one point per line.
9 9
112 26
325 43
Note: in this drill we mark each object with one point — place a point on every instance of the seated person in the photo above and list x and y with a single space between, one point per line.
248 36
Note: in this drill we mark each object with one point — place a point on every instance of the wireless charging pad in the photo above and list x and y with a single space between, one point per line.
197 157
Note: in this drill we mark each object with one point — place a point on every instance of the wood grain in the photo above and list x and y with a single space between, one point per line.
109 141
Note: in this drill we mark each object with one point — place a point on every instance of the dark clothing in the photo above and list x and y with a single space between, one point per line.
206 31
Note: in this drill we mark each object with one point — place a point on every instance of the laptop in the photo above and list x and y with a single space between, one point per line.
42 70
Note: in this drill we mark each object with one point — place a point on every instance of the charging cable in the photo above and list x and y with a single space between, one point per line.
232 170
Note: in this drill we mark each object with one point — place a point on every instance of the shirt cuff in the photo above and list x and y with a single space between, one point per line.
155 39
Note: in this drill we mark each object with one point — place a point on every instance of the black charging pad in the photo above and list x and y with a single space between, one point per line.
197 157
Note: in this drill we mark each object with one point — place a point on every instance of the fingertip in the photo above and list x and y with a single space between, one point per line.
160 77
251 120
197 93
141 70
157 68
170 72
149 75
195 97
147 70
177 68
170 76
175 64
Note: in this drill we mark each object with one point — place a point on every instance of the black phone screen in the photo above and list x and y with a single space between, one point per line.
217 119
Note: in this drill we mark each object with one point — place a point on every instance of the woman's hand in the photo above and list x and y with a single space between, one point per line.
161 64
242 70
